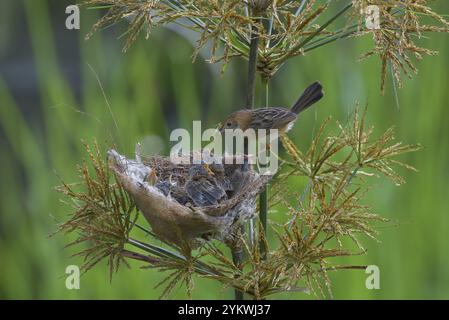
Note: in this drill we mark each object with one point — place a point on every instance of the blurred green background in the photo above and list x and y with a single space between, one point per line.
50 99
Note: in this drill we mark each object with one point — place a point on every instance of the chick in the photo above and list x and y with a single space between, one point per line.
170 189
202 188
220 176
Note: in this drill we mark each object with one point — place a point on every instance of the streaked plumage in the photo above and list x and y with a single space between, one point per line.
218 170
176 192
274 117
202 188
198 184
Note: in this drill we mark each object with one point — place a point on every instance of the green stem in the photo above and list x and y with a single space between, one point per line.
299 10
263 198
237 258
313 35
200 267
317 32
237 255
263 204
320 44
266 92
326 40
252 66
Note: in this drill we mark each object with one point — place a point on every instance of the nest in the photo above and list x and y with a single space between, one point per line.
182 223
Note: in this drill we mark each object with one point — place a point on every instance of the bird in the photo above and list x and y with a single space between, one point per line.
202 188
273 117
174 191
219 173
151 178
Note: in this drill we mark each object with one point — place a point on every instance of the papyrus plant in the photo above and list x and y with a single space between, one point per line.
285 28
339 166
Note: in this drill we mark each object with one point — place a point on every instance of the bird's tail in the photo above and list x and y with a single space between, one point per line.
312 94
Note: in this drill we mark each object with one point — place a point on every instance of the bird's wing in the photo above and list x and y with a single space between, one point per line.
271 118
204 193
226 184
164 187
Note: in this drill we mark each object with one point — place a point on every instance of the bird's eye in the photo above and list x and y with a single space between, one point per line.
229 124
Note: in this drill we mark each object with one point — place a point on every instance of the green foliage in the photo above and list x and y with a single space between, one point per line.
103 214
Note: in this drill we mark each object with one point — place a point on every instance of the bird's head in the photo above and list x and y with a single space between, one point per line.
217 168
199 171
237 120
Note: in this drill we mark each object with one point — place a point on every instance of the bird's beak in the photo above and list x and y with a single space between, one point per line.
208 169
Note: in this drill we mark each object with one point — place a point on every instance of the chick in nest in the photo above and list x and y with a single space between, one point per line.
195 185
165 170
203 188
214 214
222 179
172 179
171 189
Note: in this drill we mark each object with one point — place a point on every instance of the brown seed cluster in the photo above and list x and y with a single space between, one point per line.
285 29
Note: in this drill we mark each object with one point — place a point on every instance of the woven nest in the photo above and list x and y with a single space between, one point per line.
183 223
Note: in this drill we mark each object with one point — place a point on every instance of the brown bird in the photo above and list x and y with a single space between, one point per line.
274 117
202 188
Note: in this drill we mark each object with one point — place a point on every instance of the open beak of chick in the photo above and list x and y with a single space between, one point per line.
207 167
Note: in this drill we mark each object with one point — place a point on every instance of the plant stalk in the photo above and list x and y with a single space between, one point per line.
263 198
237 255
252 66
317 32
237 258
